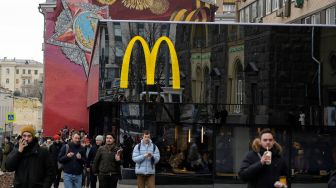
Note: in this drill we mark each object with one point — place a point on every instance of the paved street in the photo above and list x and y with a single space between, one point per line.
218 186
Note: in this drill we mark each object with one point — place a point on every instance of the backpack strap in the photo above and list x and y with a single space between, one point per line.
66 148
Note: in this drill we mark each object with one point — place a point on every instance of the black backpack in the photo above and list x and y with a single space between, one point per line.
152 159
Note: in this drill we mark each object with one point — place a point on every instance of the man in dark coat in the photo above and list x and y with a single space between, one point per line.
261 168
32 164
107 163
92 154
72 156
54 150
332 181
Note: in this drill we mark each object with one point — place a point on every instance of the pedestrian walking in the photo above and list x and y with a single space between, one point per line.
6 149
107 163
54 150
86 171
145 155
264 167
32 164
92 154
332 180
72 156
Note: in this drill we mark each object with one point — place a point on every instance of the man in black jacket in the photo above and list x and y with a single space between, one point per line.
72 156
32 164
54 150
93 178
264 165
332 180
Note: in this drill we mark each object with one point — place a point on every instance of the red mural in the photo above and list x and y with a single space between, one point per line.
69 39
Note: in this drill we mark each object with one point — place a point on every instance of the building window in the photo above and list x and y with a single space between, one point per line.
28 81
239 87
23 81
7 81
35 72
242 16
260 8
17 71
117 29
247 14
24 71
275 5
307 20
254 11
7 70
29 71
268 6
228 8
17 81
331 16
316 18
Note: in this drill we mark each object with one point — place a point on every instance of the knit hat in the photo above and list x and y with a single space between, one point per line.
99 138
56 137
29 128
86 140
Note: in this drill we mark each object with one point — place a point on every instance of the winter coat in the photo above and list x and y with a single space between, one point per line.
7 148
72 165
258 175
54 150
104 162
33 167
332 180
144 165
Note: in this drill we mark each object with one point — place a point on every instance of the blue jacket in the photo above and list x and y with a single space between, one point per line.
72 165
144 165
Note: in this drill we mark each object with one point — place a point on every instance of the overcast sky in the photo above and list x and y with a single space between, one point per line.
21 29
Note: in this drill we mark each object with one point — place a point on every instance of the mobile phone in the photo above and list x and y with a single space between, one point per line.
119 151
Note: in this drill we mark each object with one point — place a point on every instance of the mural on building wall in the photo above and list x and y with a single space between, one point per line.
69 36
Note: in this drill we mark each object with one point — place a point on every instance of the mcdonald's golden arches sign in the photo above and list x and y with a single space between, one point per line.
150 59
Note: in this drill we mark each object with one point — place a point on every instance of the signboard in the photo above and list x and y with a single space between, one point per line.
150 59
10 117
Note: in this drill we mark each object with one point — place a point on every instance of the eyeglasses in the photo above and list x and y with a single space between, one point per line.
27 135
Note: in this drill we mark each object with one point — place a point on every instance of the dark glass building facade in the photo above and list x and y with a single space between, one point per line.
235 80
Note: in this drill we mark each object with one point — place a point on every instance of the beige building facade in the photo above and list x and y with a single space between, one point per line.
287 11
226 11
21 75
28 111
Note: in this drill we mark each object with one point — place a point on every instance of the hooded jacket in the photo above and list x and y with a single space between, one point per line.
145 166
258 175
33 167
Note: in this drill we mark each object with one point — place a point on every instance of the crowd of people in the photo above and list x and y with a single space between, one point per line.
40 164
84 162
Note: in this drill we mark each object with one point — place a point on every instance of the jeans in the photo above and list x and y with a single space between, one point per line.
72 181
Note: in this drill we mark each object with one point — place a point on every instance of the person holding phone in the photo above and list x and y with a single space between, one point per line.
146 155
32 164
107 163
73 158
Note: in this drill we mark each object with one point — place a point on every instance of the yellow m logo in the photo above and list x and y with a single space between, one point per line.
150 58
